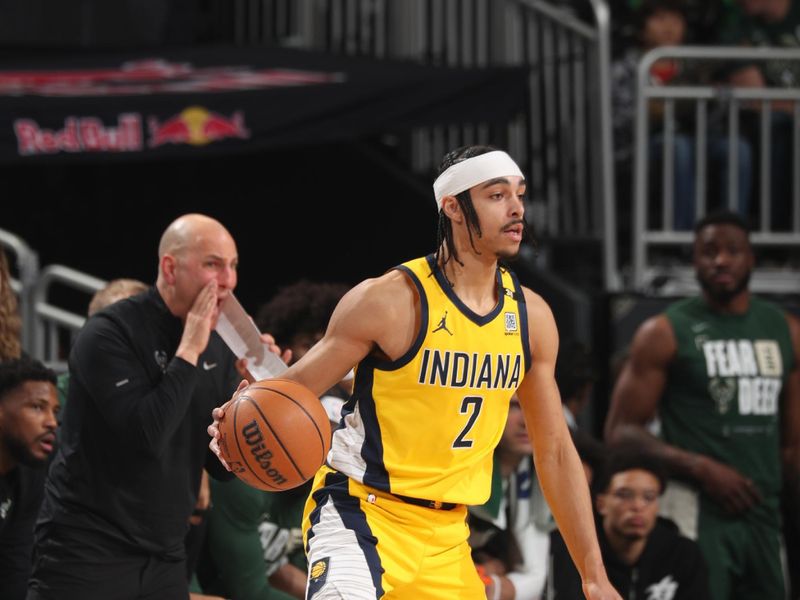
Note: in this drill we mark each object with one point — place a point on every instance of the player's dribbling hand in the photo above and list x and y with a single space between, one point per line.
213 429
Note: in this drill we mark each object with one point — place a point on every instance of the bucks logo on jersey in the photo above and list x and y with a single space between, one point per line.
743 374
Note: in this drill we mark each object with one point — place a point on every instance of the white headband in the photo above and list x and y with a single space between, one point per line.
472 171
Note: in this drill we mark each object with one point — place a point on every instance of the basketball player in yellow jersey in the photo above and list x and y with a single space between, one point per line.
440 343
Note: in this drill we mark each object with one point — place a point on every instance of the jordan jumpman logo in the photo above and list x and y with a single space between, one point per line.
443 325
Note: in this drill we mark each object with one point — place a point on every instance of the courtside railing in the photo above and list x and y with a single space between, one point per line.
47 328
51 322
653 270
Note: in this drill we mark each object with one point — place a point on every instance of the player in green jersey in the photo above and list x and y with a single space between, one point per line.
720 371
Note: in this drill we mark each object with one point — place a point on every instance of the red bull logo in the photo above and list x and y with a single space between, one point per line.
80 134
196 126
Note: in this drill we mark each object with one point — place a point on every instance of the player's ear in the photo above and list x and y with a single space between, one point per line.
452 209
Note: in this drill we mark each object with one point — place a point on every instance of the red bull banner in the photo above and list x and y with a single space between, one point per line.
200 101
194 125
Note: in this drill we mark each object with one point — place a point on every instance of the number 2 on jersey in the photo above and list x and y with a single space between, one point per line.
471 405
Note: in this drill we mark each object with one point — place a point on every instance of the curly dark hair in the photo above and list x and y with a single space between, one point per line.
302 307
17 371
627 457
10 322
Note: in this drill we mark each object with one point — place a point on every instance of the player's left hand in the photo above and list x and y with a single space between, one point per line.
213 430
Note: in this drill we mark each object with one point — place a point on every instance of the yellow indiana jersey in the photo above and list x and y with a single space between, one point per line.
426 424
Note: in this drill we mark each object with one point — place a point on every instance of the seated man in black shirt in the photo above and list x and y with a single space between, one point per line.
644 555
28 408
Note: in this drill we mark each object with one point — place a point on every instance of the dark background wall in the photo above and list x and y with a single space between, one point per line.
110 23
323 212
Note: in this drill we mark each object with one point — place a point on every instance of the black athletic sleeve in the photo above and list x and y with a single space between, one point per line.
231 381
144 414
16 540
215 468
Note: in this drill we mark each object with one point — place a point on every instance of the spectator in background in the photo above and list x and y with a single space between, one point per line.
663 23
509 535
772 23
298 314
145 373
10 323
704 18
721 372
28 409
644 554
114 291
254 546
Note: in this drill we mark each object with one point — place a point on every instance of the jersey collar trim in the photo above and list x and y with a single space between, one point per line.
463 308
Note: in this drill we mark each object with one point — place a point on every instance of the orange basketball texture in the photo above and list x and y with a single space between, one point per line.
275 434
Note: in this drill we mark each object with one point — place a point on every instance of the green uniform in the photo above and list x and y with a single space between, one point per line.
722 400
250 534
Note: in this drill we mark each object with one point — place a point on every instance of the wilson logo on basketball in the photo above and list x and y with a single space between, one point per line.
255 439
275 434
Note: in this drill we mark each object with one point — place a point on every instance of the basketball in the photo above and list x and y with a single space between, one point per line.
275 434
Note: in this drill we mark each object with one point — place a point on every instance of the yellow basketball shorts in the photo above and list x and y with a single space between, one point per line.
363 543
